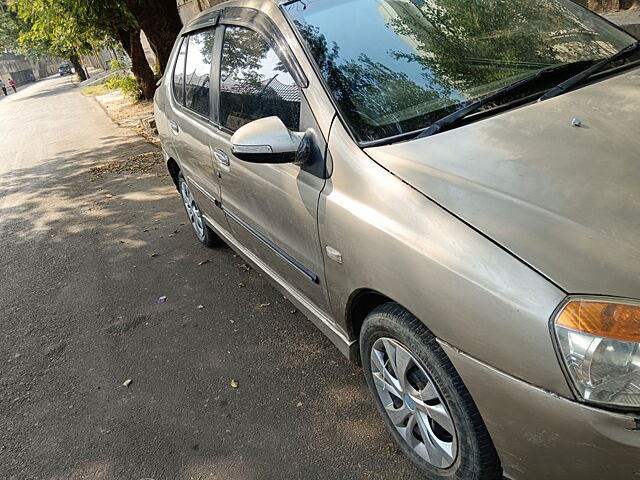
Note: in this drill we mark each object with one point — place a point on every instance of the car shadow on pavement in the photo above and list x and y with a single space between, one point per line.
58 90
228 380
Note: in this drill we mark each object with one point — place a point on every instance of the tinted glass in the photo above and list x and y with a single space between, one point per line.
198 71
178 74
402 64
254 83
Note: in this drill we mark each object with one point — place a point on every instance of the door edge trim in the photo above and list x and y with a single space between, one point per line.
276 249
205 192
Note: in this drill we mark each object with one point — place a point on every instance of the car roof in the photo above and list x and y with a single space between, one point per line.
210 16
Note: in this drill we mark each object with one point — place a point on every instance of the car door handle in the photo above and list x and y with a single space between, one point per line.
174 127
223 158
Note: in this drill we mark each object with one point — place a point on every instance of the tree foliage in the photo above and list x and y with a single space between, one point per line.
9 29
472 42
68 28
52 28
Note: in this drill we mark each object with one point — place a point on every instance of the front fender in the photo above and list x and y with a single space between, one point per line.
469 292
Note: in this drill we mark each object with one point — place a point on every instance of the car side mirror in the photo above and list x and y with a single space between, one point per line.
268 140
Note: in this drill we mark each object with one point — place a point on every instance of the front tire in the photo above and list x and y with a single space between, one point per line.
423 400
207 236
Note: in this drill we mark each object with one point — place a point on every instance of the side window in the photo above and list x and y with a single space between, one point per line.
254 83
178 73
198 71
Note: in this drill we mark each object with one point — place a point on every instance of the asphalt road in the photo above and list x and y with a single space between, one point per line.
79 316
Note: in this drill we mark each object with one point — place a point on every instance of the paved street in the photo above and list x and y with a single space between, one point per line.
79 316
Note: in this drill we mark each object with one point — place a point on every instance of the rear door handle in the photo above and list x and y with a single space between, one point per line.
174 127
223 158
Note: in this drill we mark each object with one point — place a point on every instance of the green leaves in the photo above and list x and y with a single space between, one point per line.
67 27
9 28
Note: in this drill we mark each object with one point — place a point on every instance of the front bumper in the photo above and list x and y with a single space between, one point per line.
540 435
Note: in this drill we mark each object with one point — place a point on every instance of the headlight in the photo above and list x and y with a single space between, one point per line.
600 344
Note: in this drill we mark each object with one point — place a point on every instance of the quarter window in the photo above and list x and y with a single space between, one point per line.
254 82
198 72
178 74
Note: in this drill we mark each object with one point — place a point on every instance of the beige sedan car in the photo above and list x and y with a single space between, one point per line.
450 191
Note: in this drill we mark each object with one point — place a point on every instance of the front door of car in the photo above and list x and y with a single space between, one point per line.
190 120
271 208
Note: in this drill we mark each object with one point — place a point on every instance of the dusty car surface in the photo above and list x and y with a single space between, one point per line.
450 191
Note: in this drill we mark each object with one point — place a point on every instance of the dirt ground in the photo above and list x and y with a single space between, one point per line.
228 380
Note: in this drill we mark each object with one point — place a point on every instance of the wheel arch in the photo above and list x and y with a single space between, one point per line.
360 304
174 170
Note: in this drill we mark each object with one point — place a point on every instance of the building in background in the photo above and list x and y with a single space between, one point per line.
23 70
99 59
16 67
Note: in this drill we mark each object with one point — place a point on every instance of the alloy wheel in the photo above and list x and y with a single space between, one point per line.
195 216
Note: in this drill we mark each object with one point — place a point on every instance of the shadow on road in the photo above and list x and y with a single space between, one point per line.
84 261
43 93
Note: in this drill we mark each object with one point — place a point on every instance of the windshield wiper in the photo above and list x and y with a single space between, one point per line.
463 112
582 76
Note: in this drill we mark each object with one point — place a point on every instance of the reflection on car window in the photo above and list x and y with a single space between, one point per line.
402 64
198 71
254 83
178 74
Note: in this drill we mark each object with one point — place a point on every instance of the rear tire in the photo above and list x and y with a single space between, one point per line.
422 399
207 236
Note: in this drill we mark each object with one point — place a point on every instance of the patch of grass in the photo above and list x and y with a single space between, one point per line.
96 90
128 84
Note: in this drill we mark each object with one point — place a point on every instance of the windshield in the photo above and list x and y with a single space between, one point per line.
396 66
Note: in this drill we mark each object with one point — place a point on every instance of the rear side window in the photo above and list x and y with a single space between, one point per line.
178 74
254 82
198 71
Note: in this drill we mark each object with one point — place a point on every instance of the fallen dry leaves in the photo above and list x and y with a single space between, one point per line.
137 164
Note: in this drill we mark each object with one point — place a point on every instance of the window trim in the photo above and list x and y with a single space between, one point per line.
226 21
208 20
183 39
223 27
215 74
211 71
262 24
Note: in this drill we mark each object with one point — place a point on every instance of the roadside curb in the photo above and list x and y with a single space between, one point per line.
144 126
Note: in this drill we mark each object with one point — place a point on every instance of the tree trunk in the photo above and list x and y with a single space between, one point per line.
161 23
75 61
130 39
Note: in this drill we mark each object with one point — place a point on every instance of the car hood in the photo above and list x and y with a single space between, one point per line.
564 199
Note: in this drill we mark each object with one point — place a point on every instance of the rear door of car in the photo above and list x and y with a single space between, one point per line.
271 208
190 118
